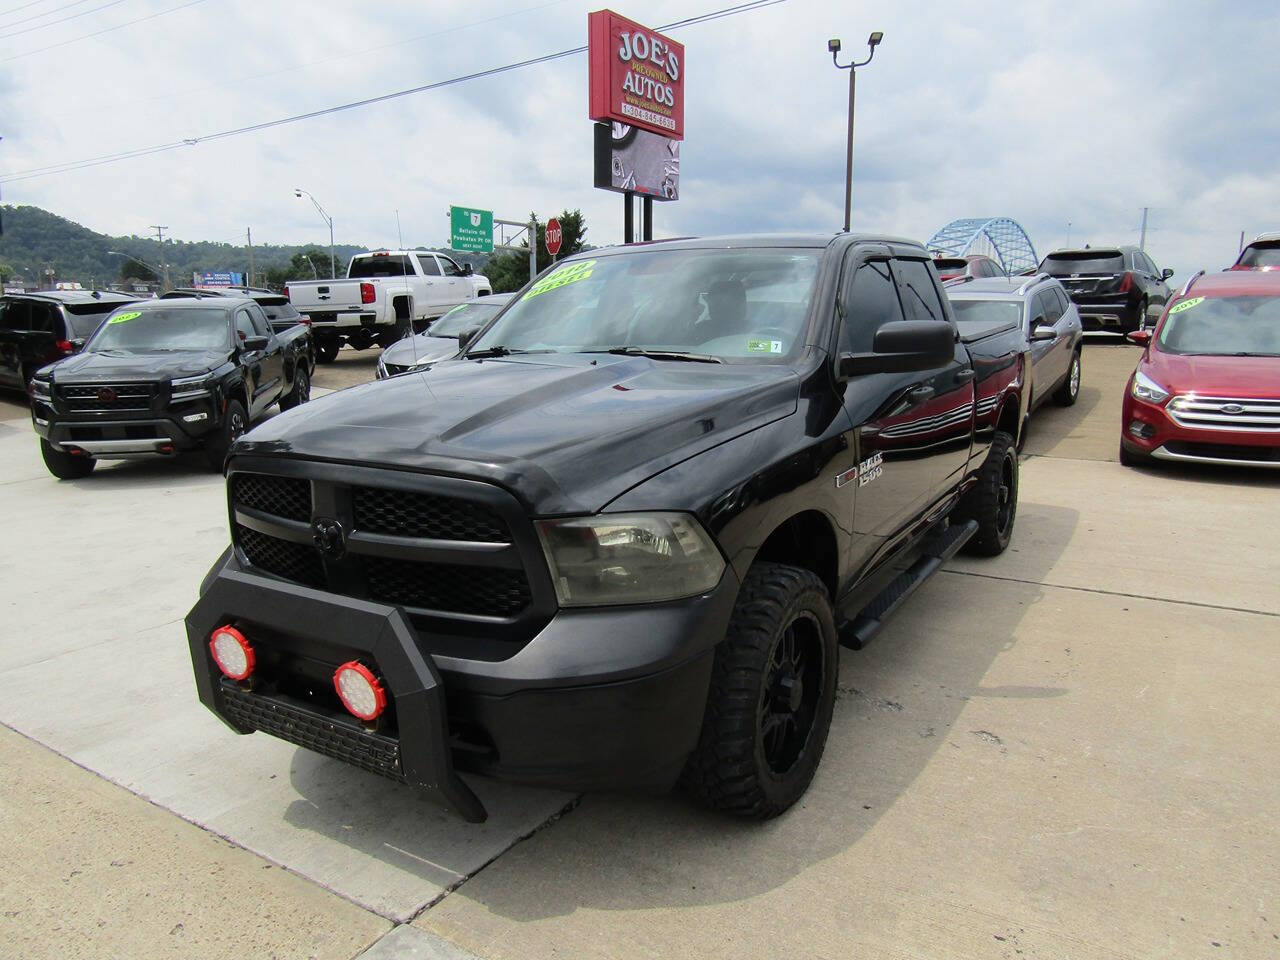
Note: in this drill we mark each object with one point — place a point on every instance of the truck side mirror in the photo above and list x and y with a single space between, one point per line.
902 346
1041 330
466 336
1166 273
466 270
255 343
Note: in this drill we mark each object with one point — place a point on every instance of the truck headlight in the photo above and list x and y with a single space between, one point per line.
41 389
190 387
629 558
1144 388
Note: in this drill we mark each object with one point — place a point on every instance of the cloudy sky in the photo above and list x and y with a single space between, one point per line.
1076 113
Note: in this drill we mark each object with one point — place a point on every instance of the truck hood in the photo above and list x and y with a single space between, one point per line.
102 367
1233 377
565 433
405 353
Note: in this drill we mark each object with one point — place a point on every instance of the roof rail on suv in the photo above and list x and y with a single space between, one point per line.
1194 277
1038 278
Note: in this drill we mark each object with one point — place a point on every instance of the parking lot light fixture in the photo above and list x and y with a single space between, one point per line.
833 47
333 261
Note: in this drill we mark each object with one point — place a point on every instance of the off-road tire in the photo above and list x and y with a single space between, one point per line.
729 770
301 391
993 500
63 465
327 350
234 422
1069 390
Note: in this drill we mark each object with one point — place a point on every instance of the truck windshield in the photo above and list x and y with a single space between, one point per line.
1223 326
147 331
739 304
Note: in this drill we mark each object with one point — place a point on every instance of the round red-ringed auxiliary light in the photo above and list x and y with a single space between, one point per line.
360 691
231 652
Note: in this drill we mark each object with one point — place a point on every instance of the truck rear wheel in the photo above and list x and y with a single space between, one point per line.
301 391
327 350
63 465
993 500
772 693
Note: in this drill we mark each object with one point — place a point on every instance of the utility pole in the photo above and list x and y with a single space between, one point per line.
248 234
1142 241
163 265
1241 250
533 248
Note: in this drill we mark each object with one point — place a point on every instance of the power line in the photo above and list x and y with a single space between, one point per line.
74 16
68 166
21 6
98 33
39 16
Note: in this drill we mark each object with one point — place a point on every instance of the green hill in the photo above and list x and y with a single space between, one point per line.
35 240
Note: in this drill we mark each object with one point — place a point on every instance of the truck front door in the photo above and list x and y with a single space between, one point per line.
913 429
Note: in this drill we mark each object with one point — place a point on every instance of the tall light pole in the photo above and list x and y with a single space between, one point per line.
333 262
833 46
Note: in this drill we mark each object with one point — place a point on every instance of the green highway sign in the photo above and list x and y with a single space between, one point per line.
471 229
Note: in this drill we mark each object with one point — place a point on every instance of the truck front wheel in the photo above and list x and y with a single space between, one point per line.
234 422
773 688
63 465
993 500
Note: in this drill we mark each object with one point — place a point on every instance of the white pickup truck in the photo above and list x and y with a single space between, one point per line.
384 294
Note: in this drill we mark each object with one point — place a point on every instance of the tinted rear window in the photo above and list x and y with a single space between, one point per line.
950 265
282 310
1083 261
1261 255
381 267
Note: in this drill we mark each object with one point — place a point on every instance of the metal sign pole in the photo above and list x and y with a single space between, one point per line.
533 248
648 218
628 218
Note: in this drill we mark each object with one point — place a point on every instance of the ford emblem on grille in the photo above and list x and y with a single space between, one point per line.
1231 408
328 537
107 395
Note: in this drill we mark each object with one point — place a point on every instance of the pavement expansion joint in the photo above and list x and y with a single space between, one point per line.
1114 593
550 821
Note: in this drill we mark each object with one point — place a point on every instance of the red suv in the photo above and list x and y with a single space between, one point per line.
1207 388
1261 254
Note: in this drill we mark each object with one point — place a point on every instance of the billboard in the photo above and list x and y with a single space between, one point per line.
636 75
217 279
628 160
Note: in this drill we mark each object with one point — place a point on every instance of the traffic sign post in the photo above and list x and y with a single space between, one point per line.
554 236
471 230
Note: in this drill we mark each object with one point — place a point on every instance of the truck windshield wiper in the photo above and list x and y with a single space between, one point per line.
660 354
499 351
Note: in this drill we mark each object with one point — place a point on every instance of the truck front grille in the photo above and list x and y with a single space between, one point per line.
108 396
1226 413
448 553
280 496
405 514
292 561
487 591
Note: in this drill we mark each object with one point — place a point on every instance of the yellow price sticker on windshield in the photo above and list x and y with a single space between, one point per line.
1185 305
562 277
125 317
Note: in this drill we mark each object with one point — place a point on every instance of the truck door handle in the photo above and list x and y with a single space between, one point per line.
964 376
921 394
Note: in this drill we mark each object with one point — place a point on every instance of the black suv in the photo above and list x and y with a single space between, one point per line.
281 314
1117 289
39 328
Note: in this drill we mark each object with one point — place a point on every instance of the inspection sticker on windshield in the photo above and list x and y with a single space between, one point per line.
562 278
125 317
1185 305
764 346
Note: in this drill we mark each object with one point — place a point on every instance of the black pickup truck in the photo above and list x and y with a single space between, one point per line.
616 543
162 376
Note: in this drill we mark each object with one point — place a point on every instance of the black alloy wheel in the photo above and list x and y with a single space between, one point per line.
993 500
791 693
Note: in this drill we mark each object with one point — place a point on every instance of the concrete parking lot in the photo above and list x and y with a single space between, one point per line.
1068 751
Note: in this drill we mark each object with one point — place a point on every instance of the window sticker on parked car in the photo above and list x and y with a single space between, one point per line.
125 317
764 346
563 277
1185 305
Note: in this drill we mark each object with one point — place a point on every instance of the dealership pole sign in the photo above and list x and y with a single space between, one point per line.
637 75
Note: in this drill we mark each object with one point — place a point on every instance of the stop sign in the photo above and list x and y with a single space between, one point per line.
554 236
